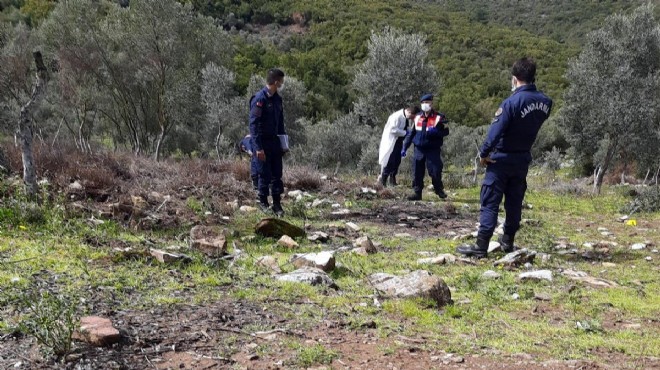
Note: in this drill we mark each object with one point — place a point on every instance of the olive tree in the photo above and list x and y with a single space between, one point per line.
612 104
394 75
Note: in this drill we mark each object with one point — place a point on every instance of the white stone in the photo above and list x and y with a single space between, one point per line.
75 186
536 275
247 209
494 247
438 260
353 226
294 193
322 260
601 229
490 274
308 275
638 246
649 258
402 235
341 212
287 241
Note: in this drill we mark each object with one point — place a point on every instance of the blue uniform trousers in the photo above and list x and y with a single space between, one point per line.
270 170
508 180
431 159
393 163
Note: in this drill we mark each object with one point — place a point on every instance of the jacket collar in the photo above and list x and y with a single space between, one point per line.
528 87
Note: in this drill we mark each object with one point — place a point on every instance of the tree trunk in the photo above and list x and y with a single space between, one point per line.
25 127
161 136
598 181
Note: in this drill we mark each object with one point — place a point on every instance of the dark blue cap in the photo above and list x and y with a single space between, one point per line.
426 97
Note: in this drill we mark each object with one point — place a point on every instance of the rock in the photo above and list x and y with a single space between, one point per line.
402 235
515 296
368 191
308 275
166 257
494 247
341 212
270 263
360 251
536 275
419 283
97 331
517 258
602 229
438 260
318 236
248 209
138 202
232 205
365 242
294 193
542 297
323 260
638 246
654 251
276 227
319 202
75 186
353 226
528 266
287 242
649 258
490 274
208 240
583 277
609 264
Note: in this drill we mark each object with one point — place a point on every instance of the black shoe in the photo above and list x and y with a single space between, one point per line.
441 194
478 250
383 180
506 243
415 196
393 181
278 210
263 203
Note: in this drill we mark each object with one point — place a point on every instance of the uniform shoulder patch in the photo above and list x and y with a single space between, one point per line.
260 103
499 112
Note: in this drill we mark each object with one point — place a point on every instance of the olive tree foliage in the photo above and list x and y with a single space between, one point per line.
395 74
16 73
144 61
612 104
221 115
336 143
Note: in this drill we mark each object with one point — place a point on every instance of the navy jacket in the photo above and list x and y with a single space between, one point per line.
266 118
246 145
516 124
427 132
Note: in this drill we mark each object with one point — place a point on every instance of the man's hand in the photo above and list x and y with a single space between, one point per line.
485 161
403 153
261 155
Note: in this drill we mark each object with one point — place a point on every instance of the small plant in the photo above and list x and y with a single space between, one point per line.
47 316
648 200
316 354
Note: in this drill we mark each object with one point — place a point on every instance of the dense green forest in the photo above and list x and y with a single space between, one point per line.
321 44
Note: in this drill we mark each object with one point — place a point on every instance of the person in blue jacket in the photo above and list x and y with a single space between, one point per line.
266 123
506 155
246 146
427 133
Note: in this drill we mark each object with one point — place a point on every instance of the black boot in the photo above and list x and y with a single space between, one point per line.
506 243
277 206
441 194
383 180
393 180
415 196
255 183
480 250
262 201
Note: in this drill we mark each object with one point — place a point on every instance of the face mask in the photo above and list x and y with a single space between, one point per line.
426 107
513 84
281 86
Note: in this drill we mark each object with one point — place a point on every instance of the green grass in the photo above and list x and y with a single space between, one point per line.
77 257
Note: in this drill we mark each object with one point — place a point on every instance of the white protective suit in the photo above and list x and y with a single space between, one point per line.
394 129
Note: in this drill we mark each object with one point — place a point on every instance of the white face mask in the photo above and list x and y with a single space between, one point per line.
513 84
426 107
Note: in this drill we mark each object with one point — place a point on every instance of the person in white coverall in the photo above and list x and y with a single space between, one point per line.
391 142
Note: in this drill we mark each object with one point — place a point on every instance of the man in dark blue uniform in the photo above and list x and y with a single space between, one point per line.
246 146
266 123
506 155
427 133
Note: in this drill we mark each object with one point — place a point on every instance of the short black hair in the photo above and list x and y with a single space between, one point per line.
413 109
524 69
274 75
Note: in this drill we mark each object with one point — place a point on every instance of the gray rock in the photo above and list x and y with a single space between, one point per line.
536 275
638 246
366 243
318 236
490 274
438 260
353 226
419 283
494 247
276 227
248 209
319 202
322 260
517 258
583 277
308 275
542 297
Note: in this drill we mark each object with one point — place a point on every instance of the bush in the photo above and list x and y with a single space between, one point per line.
648 200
